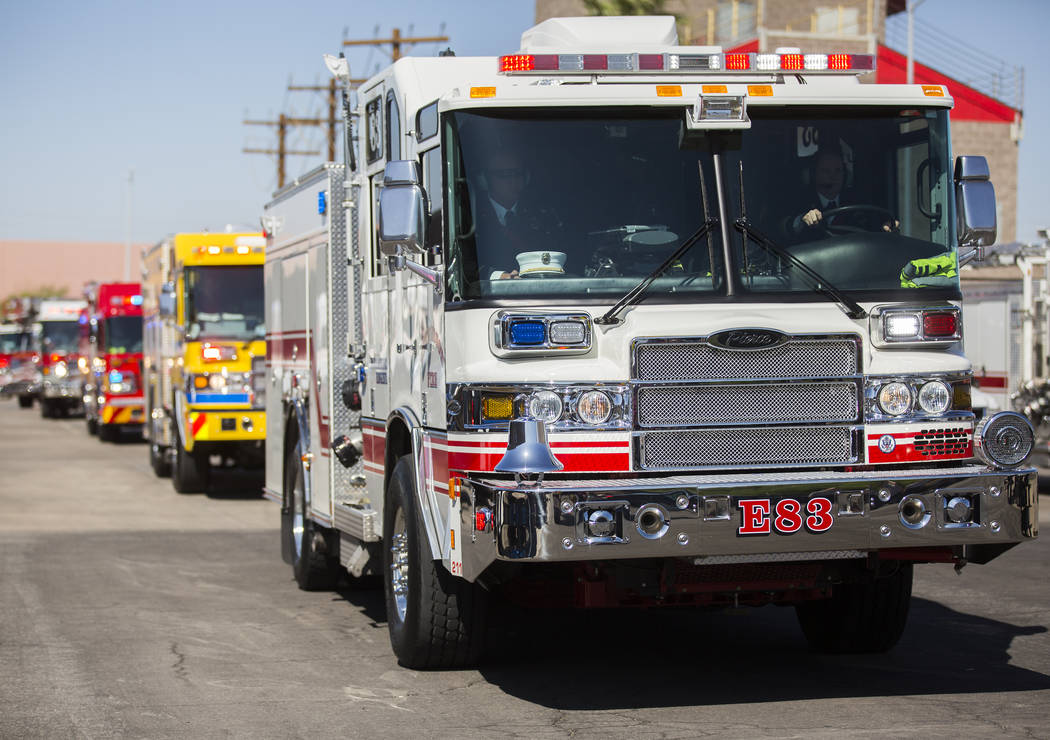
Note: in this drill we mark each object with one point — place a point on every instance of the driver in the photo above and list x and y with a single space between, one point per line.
506 226
829 177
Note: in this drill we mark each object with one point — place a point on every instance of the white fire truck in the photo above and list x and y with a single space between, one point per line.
564 326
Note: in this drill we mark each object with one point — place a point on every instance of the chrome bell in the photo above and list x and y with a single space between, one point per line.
527 450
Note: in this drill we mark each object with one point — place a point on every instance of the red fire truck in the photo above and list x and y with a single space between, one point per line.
17 358
111 340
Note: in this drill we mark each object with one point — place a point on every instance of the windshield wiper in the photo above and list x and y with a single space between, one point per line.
635 293
820 284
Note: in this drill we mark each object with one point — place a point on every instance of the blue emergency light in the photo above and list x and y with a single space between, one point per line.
322 205
527 332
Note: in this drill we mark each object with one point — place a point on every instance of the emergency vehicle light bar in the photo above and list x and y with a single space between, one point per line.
685 63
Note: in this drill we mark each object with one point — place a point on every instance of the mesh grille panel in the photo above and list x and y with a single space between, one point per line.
938 442
662 406
794 359
747 446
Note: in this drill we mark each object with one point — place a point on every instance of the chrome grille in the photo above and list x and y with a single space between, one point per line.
660 406
696 360
746 446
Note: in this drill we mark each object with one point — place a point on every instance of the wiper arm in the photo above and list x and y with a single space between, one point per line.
632 296
820 284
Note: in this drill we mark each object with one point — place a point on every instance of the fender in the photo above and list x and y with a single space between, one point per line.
299 406
433 517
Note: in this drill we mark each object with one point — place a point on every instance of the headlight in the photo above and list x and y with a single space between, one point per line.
545 406
216 382
895 398
60 370
934 397
118 382
594 407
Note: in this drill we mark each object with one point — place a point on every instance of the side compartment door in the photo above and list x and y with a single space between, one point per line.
320 382
272 277
294 348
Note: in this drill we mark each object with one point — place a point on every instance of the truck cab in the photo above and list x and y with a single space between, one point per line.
111 342
203 355
59 369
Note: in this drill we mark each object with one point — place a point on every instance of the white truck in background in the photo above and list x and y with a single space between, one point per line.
651 386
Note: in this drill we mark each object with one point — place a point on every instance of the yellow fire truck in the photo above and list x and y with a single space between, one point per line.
204 355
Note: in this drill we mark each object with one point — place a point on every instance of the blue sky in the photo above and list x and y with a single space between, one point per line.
93 88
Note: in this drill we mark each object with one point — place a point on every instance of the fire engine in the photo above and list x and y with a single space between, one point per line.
16 352
565 325
111 342
203 355
59 367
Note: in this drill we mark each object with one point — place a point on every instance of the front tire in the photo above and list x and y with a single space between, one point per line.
311 565
158 460
25 402
108 432
436 621
190 472
867 617
47 409
92 424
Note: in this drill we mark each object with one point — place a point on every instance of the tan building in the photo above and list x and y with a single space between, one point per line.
26 266
986 119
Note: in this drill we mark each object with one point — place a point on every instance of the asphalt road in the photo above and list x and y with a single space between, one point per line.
129 610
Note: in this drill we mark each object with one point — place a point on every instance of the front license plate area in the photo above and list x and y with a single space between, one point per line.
784 516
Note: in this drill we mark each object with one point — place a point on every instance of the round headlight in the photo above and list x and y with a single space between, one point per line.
1004 440
935 397
216 382
60 370
545 406
594 407
895 398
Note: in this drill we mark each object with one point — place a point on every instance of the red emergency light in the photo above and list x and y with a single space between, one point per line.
685 63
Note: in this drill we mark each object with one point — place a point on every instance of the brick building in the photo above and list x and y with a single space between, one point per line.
987 115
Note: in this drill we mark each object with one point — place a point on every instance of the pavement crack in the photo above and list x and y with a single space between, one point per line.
179 666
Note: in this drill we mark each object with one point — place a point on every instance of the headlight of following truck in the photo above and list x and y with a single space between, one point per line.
118 383
224 382
60 370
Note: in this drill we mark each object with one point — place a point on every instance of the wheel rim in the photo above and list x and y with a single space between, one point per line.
399 565
298 520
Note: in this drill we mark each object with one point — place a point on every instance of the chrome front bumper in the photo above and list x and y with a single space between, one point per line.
701 516
62 389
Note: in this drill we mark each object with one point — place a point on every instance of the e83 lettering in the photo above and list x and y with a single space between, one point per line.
784 516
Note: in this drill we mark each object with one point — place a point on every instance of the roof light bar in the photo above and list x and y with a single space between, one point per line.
685 63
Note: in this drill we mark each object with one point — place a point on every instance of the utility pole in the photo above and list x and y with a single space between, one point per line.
912 5
282 123
331 88
127 229
395 41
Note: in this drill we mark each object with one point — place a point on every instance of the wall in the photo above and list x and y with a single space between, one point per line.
25 265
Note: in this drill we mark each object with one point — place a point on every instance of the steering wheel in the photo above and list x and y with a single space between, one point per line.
833 229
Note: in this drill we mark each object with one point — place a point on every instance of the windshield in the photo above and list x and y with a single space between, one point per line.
123 334
224 303
13 342
585 203
60 336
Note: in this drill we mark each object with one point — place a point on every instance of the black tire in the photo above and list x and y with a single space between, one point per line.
158 460
92 424
190 472
312 567
47 409
108 432
864 617
436 621
25 402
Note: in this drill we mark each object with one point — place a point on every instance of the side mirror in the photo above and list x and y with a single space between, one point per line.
974 202
402 210
166 300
